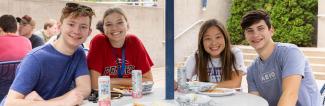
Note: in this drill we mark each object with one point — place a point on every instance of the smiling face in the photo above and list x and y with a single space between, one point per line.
75 30
115 27
214 41
259 35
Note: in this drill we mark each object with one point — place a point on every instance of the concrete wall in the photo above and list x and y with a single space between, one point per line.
146 22
321 24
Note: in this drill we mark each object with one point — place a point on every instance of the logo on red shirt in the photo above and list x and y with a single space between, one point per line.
113 70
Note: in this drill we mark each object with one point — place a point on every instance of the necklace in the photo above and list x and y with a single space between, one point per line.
121 69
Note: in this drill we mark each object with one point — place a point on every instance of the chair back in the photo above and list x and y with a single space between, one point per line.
323 94
7 75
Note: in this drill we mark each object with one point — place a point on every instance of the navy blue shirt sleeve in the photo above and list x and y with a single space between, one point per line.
36 41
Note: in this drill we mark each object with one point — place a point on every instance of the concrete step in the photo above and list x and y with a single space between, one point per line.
249 56
316 60
316 52
246 49
315 67
319 75
318 69
248 62
311 59
309 52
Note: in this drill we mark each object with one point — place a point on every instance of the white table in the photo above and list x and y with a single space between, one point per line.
158 94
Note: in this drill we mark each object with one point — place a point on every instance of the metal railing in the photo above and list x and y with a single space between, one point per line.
321 15
139 3
187 29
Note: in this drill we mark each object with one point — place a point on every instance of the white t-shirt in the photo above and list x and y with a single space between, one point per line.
214 67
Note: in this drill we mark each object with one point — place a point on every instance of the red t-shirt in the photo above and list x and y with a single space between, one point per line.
14 47
105 59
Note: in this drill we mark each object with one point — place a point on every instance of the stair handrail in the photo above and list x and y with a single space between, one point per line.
321 15
146 2
187 29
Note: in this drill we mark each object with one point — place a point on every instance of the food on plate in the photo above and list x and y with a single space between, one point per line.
138 104
154 103
193 100
215 91
122 90
199 86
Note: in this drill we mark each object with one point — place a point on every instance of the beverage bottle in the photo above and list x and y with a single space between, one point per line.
136 84
181 80
104 91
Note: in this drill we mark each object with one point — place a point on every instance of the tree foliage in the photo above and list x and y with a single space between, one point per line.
293 20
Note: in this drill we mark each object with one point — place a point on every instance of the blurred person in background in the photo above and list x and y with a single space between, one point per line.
26 27
49 30
12 46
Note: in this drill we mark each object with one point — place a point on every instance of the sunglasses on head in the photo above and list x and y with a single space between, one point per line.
75 7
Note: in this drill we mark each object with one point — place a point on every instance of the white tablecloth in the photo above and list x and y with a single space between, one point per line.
158 94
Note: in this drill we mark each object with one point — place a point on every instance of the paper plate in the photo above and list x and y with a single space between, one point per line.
155 103
218 92
193 100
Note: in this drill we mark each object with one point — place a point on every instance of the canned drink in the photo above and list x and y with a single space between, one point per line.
136 83
181 78
104 91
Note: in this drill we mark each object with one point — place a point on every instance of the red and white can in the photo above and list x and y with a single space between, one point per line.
136 83
104 91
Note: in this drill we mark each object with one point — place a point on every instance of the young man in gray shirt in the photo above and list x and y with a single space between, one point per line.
280 74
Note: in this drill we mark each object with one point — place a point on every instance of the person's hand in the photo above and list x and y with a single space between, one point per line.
175 85
73 98
34 96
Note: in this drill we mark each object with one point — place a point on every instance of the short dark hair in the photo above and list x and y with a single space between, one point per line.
99 26
8 23
253 17
49 24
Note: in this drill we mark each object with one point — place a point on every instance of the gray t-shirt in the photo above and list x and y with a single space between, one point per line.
214 67
266 76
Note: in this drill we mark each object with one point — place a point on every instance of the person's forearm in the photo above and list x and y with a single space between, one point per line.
146 79
85 90
23 102
94 75
288 99
254 93
290 90
121 82
83 85
59 97
116 82
235 82
229 84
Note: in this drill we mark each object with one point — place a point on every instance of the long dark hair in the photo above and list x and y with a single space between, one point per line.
227 57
